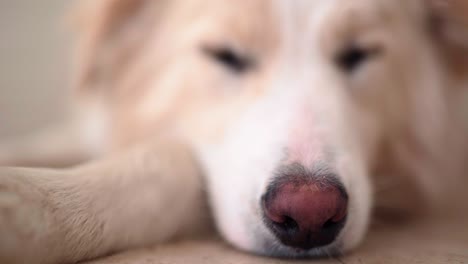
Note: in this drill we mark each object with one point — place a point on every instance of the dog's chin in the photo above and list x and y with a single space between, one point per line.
267 245
258 240
277 250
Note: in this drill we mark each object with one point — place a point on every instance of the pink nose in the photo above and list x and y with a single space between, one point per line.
306 214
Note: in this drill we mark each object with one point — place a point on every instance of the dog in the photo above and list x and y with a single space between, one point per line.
298 119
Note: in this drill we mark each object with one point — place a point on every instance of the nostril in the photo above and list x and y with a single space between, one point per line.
287 225
330 224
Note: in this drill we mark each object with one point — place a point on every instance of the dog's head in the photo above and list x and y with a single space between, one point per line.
288 103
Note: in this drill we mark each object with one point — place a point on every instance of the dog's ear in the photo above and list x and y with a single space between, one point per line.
109 33
449 19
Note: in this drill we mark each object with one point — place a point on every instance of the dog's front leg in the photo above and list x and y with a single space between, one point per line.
145 196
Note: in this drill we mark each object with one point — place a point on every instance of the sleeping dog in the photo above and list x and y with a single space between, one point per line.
297 118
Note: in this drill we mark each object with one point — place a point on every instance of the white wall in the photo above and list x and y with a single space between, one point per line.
34 63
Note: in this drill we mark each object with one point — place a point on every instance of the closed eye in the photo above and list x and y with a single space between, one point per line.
353 57
229 58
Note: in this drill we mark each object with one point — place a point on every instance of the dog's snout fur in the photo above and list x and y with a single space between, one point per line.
305 210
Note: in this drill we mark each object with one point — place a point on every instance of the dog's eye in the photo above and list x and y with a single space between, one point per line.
353 57
230 59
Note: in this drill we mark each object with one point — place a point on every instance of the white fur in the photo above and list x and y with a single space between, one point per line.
304 99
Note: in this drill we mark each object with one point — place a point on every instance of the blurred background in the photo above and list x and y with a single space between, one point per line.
34 64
